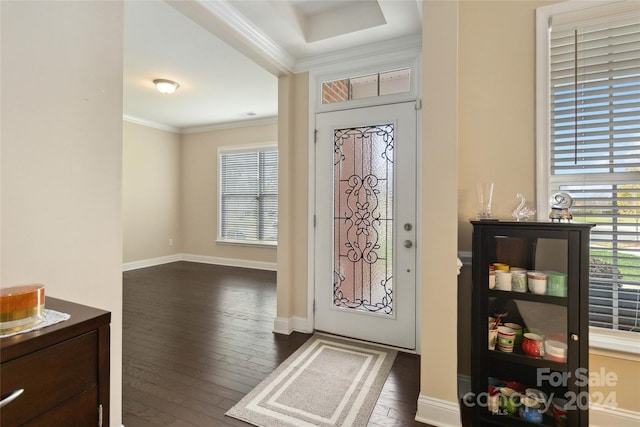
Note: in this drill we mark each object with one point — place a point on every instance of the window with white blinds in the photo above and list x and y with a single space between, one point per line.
593 147
249 195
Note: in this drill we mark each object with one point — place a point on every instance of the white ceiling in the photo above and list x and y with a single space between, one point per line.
226 54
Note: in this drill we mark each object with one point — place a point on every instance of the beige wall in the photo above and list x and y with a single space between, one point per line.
199 189
438 367
293 239
286 204
299 189
497 127
61 216
624 387
497 101
151 199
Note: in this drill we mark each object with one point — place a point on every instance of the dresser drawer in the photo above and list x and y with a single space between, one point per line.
49 377
79 411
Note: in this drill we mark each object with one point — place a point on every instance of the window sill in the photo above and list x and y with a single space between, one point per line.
619 344
250 243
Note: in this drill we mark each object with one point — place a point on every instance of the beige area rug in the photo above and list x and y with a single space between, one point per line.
326 382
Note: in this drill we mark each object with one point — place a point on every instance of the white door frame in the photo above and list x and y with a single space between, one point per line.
396 327
410 58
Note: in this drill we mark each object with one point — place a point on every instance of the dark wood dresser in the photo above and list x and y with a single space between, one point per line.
63 370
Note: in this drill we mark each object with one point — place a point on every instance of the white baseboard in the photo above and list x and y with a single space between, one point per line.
302 324
601 416
437 412
134 265
230 262
286 325
282 325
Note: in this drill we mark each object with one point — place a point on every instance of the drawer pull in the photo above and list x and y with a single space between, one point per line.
11 397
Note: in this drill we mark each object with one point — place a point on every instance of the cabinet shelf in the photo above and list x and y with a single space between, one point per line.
524 296
523 359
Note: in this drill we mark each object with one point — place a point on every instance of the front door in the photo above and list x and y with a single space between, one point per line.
365 268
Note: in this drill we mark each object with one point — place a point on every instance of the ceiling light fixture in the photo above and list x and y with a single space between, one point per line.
166 86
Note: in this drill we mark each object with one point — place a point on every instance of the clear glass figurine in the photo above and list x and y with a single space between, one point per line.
522 212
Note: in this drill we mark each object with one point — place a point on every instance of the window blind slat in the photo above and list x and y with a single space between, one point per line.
563 42
608 85
594 73
595 50
601 160
622 148
597 119
612 28
595 16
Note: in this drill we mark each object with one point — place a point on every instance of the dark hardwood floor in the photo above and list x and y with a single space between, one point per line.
198 337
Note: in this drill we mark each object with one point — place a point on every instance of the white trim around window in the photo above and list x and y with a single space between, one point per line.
248 194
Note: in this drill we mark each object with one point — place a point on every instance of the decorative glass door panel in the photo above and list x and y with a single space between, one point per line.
363 218
365 261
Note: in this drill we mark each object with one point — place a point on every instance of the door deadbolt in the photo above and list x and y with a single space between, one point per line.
408 227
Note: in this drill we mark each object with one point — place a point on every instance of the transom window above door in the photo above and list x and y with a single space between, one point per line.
370 85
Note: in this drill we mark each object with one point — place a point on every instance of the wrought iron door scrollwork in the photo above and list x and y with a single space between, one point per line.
363 168
362 218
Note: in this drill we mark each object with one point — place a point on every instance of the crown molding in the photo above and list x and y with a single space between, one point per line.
205 128
237 30
261 42
247 38
150 124
402 46
231 125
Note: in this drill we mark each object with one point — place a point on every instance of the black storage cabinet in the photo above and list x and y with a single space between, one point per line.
556 249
